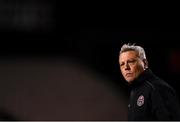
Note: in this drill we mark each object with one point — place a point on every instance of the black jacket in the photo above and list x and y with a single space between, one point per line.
152 99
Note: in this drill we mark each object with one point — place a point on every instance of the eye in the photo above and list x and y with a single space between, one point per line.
121 64
131 61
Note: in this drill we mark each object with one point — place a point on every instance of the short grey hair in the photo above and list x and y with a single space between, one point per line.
133 47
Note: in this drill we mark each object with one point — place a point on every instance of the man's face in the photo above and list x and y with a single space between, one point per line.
131 65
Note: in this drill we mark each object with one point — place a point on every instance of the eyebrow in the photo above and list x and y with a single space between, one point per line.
127 61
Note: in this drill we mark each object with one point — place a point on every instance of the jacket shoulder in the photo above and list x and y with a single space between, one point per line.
162 88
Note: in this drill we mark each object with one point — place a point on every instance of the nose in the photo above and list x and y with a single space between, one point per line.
127 67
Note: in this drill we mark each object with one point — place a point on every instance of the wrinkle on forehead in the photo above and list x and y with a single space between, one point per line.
128 55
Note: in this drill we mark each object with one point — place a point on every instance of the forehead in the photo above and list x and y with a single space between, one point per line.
128 55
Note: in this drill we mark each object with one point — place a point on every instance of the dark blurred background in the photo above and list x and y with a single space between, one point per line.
61 63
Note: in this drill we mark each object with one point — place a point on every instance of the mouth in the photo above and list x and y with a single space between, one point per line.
129 74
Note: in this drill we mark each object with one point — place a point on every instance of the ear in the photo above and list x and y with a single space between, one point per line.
145 63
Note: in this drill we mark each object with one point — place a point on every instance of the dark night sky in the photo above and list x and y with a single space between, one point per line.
60 49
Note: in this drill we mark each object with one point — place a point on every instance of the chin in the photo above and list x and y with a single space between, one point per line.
129 80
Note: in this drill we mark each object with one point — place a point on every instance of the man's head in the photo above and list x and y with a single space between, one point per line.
133 62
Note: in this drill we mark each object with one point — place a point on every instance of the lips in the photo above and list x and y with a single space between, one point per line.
129 74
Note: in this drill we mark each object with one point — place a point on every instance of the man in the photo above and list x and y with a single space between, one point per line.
151 98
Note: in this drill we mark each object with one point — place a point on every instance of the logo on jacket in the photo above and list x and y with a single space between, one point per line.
140 100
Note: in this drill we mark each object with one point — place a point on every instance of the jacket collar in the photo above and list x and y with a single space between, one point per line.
146 75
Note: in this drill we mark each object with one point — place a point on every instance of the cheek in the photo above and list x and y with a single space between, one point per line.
138 69
123 72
